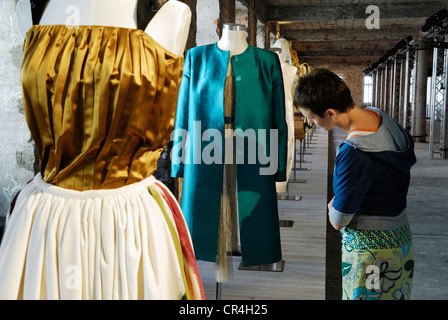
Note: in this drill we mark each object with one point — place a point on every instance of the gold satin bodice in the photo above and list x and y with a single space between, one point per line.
99 102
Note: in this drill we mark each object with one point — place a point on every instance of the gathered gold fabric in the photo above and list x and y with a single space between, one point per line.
100 103
228 239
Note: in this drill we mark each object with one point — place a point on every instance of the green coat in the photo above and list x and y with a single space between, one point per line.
198 158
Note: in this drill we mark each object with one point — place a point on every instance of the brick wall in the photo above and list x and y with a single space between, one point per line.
354 79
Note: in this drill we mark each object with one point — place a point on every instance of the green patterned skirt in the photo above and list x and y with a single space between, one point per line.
377 265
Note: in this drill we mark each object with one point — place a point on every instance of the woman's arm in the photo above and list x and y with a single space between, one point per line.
335 225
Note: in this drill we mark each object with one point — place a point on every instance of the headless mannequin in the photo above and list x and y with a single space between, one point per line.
169 27
289 73
233 38
283 44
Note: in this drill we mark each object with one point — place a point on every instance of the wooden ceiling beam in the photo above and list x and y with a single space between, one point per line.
373 45
353 11
260 9
342 53
344 34
365 61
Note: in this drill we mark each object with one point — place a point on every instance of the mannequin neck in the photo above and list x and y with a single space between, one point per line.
233 40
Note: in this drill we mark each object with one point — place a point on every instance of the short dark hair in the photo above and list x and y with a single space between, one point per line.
321 90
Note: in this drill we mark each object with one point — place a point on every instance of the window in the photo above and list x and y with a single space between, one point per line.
367 90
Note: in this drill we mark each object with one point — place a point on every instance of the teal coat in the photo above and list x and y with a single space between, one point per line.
259 104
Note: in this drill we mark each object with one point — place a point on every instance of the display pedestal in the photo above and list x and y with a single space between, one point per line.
287 196
301 154
218 290
286 223
295 180
273 267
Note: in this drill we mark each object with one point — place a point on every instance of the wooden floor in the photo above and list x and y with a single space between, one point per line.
303 244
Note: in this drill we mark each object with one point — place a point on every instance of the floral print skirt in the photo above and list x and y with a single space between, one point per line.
377 265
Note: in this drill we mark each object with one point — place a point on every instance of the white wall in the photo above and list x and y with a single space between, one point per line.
207 15
16 149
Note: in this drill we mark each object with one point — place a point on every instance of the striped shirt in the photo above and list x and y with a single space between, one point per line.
364 132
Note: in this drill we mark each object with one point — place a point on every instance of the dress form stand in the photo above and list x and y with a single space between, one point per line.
283 44
233 39
302 151
289 73
172 9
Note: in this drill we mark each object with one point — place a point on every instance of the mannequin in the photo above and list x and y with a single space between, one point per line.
169 27
289 74
102 227
283 44
233 38
258 101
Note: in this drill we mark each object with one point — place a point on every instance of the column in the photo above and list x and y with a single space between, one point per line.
419 114
226 13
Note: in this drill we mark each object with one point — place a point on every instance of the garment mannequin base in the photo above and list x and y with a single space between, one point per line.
286 223
300 161
295 180
274 267
287 196
218 290
290 197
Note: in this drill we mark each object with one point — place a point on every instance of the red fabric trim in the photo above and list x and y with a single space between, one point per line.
184 235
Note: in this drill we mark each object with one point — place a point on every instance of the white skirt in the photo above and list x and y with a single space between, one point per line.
125 243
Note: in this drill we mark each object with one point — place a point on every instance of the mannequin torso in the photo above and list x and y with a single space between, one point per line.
233 39
169 27
283 44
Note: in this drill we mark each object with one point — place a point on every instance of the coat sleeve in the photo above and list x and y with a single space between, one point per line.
279 119
180 133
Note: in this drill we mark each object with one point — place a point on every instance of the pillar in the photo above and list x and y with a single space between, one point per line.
419 114
267 35
226 13
252 23
191 42
374 87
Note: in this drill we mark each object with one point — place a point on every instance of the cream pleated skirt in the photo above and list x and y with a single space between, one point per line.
125 243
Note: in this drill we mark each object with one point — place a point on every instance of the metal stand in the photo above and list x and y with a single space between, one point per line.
301 152
288 196
295 161
439 110
286 223
218 290
273 267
